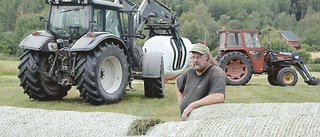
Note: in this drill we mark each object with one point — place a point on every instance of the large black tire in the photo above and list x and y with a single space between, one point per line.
136 55
33 79
237 67
272 79
154 87
102 74
287 77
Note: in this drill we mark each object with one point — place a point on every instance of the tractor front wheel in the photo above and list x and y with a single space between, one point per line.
272 79
287 77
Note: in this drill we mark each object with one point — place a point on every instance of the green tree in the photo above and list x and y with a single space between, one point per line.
287 22
192 30
200 22
305 55
235 24
315 4
8 14
14 25
224 20
309 28
218 7
253 21
266 18
4 48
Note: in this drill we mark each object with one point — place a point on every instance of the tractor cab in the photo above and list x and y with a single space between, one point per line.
246 42
72 19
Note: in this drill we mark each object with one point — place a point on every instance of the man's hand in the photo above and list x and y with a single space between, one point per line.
186 112
207 100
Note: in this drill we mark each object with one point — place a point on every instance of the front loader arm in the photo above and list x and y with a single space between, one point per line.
305 73
293 59
150 9
151 13
160 20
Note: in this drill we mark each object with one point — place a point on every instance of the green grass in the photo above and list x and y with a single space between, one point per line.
257 90
132 103
8 67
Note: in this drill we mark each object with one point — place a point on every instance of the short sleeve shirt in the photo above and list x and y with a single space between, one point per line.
194 87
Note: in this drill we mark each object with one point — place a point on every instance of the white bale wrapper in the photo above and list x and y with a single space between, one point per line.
288 126
221 120
229 110
163 44
246 120
15 122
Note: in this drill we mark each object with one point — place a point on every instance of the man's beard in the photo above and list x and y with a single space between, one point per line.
198 67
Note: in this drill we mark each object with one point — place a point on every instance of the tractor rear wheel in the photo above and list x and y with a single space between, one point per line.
34 80
272 79
287 77
237 67
102 74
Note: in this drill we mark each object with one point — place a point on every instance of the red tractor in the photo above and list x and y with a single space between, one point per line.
241 54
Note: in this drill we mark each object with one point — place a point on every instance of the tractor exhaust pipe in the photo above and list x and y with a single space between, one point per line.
269 43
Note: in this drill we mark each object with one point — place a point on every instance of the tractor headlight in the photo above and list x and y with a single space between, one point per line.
52 46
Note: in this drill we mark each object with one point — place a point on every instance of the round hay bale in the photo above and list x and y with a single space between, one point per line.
35 122
242 126
228 110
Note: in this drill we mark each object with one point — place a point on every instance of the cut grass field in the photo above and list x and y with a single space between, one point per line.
315 55
258 90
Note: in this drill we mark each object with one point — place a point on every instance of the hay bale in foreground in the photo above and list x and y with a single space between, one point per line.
307 125
264 119
228 110
36 122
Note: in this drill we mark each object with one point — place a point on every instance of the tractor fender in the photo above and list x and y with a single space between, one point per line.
87 43
36 42
151 62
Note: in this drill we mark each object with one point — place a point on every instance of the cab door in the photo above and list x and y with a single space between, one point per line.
254 50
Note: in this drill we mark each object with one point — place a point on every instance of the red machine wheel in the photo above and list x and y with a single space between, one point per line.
237 67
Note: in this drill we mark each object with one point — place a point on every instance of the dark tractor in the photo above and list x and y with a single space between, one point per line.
91 44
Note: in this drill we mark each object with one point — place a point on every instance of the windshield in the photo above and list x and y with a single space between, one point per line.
252 40
69 21
222 41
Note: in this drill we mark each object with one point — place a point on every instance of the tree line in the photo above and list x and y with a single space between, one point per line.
199 19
